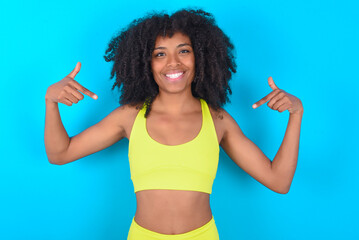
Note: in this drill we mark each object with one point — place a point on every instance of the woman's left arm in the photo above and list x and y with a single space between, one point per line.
277 174
285 161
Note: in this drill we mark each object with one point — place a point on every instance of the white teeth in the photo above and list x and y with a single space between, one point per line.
176 75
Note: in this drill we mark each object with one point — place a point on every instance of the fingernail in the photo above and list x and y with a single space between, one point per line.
254 105
95 97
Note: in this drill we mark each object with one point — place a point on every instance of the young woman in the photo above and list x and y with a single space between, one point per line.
173 72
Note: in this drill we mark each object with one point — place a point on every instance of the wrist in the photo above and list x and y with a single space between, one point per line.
298 113
49 101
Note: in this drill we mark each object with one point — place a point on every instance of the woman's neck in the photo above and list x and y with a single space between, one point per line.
175 104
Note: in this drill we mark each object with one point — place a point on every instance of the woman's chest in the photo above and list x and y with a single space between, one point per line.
177 130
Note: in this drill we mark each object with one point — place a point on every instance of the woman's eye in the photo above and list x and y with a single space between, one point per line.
184 51
162 54
159 54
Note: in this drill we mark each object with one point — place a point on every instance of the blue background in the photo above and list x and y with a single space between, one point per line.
310 48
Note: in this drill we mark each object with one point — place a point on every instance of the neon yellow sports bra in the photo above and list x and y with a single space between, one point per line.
188 166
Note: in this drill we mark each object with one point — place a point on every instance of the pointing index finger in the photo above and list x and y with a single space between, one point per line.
265 99
84 90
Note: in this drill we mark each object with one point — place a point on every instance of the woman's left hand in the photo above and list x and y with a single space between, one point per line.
280 100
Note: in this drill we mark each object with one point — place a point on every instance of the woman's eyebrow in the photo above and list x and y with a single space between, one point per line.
180 45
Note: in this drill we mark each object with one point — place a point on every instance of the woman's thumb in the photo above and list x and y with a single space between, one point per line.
75 71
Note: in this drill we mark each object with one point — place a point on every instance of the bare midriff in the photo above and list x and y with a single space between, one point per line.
172 211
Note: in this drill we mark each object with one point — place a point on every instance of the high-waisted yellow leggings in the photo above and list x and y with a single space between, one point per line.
206 232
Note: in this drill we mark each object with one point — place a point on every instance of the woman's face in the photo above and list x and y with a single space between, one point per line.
173 63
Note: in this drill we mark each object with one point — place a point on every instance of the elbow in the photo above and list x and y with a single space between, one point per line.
281 185
281 189
284 191
55 160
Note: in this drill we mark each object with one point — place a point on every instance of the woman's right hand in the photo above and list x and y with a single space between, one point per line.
66 90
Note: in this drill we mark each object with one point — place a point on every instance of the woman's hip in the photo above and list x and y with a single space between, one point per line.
206 232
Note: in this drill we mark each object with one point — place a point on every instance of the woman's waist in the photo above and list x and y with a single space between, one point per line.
174 212
169 198
172 205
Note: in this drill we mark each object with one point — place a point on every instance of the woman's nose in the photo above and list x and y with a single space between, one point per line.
173 61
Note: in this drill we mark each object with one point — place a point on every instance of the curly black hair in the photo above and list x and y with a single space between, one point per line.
131 50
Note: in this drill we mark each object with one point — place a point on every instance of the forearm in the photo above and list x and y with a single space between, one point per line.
285 162
56 137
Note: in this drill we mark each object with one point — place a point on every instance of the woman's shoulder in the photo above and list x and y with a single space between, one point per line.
126 115
130 108
217 114
221 117
223 122
128 111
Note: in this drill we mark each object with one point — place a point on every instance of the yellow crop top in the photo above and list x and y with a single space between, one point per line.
188 166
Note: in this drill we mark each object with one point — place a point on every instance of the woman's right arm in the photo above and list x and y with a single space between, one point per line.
62 149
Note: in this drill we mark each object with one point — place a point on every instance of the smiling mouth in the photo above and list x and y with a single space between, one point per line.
174 76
